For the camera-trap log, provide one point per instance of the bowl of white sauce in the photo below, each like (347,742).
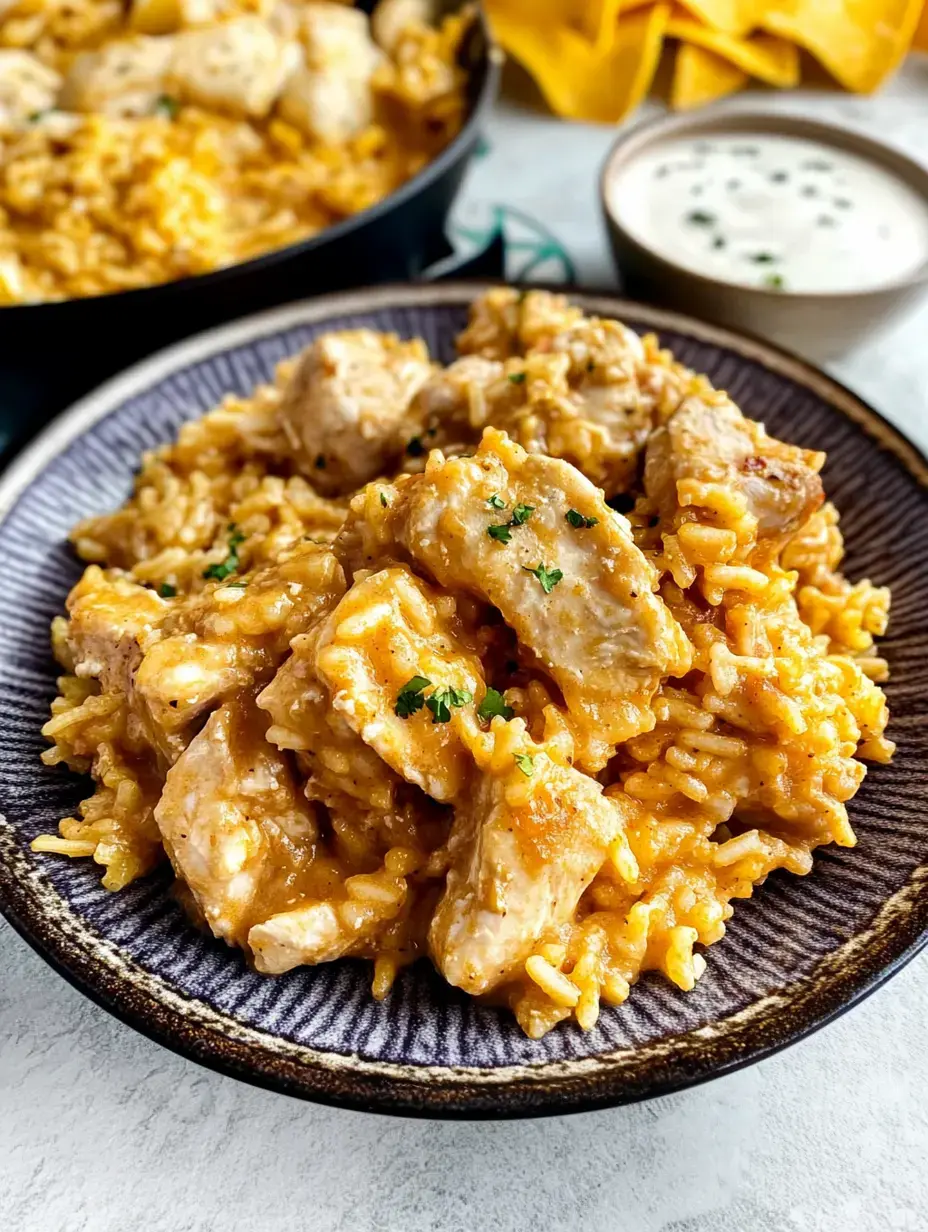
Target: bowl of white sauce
(797,230)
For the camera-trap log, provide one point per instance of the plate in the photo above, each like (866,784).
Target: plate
(797,954)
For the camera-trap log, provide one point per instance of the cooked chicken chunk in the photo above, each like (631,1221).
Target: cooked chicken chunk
(240,67)
(338,36)
(27,88)
(577,593)
(524,847)
(391,17)
(345,403)
(233,823)
(230,637)
(709,441)
(451,409)
(112,621)
(340,764)
(328,106)
(389,630)
(121,79)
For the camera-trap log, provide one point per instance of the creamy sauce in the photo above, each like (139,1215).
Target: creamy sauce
(772,211)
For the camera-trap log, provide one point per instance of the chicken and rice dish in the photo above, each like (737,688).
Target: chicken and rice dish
(530,664)
(146,140)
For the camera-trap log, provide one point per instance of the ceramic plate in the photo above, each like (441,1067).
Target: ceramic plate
(798,953)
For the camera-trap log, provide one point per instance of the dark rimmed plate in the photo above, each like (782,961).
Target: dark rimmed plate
(797,954)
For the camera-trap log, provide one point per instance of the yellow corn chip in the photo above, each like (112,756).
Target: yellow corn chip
(729,16)
(859,42)
(921,32)
(764,56)
(577,80)
(700,77)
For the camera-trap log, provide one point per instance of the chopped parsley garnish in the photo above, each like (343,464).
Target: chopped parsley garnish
(415,448)
(700,218)
(842,203)
(166,106)
(548,578)
(410,699)
(578,521)
(762,258)
(442,700)
(774,282)
(35,116)
(167,591)
(809,190)
(521,514)
(496,501)
(591,365)
(320,461)
(517,378)
(779,177)
(745,151)
(501,533)
(221,571)
(825,220)
(525,763)
(719,241)
(383,499)
(494,704)
(236,585)
(816,164)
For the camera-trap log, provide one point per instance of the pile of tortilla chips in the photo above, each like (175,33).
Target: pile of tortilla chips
(596,59)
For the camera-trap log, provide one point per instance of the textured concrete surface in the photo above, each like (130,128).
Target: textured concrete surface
(103,1131)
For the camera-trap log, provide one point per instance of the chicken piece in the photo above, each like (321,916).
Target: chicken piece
(326,105)
(451,409)
(235,827)
(240,67)
(27,88)
(112,621)
(336,36)
(165,16)
(345,403)
(709,441)
(391,17)
(229,638)
(526,843)
(121,79)
(340,765)
(389,629)
(577,593)
(321,931)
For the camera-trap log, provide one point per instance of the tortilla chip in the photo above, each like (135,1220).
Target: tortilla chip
(729,16)
(700,77)
(860,42)
(764,56)
(577,80)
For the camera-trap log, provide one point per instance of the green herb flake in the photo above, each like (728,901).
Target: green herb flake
(700,218)
(442,700)
(774,282)
(494,704)
(501,533)
(167,591)
(166,106)
(719,242)
(415,448)
(521,514)
(762,258)
(236,585)
(548,578)
(525,763)
(383,499)
(219,573)
(410,699)
(496,501)
(578,521)
(517,378)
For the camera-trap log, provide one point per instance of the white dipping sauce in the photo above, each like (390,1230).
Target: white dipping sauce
(772,211)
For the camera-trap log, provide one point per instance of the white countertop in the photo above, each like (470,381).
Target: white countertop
(103,1131)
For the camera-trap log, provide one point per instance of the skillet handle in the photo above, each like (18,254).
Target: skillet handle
(488,262)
